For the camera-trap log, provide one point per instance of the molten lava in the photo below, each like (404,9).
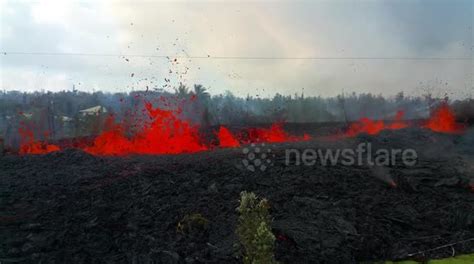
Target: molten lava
(274,134)
(373,127)
(398,122)
(442,120)
(163,133)
(28,144)
(365,125)
(227,139)
(160,132)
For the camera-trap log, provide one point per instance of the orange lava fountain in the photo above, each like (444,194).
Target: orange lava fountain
(443,120)
(164,133)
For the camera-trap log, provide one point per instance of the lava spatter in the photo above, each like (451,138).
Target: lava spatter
(163,133)
(443,120)
(226,138)
(374,127)
(29,145)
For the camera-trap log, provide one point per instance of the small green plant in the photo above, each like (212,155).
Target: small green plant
(254,232)
(191,223)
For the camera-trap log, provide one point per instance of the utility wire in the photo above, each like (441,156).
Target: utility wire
(231,57)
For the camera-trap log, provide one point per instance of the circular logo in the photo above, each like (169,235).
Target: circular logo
(257,157)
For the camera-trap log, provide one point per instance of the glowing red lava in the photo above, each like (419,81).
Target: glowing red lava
(443,120)
(274,134)
(398,122)
(164,133)
(373,127)
(365,125)
(227,139)
(28,144)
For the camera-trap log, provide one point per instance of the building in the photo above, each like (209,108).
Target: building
(93,111)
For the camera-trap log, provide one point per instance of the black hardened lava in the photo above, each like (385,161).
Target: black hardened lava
(71,207)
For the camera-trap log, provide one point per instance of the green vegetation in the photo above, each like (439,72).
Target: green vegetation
(254,231)
(463,259)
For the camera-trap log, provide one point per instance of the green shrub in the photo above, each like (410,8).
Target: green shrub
(254,232)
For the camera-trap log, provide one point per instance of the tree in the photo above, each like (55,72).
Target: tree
(202,105)
(182,91)
(200,91)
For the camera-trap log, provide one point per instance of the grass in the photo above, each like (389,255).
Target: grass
(462,259)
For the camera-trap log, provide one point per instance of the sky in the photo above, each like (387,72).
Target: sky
(258,48)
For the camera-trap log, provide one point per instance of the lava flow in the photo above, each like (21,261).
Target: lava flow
(373,127)
(227,139)
(443,120)
(29,145)
(164,133)
(274,134)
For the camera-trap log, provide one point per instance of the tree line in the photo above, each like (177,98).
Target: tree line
(59,112)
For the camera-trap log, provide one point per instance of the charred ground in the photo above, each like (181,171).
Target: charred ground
(72,207)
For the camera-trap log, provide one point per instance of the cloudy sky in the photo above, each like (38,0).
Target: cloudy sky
(247,47)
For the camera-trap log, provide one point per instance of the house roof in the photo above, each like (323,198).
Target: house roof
(66,118)
(94,110)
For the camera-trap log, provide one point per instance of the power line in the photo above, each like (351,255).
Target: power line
(230,57)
